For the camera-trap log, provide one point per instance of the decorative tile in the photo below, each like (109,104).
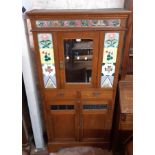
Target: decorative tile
(111,40)
(49,76)
(45,40)
(47,56)
(48,69)
(108,69)
(50,83)
(107,81)
(79,23)
(109,55)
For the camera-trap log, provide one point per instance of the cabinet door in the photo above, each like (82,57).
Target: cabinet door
(78,55)
(62,120)
(95,120)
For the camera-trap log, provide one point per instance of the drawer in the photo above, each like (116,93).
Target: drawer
(99,94)
(60,94)
(126,122)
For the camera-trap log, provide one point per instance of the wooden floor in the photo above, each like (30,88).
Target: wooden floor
(72,151)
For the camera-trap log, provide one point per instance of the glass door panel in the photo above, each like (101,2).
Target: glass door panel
(78,55)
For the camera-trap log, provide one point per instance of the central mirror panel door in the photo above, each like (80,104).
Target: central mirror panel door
(78,52)
(78,60)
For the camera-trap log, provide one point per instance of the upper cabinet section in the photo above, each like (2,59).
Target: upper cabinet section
(78,19)
(78,48)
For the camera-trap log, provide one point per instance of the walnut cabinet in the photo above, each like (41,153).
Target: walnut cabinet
(78,55)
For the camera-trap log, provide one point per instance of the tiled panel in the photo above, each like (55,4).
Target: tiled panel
(79,23)
(110,55)
(62,107)
(111,42)
(47,59)
(94,106)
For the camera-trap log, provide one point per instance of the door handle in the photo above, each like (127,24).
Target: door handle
(61,94)
(61,64)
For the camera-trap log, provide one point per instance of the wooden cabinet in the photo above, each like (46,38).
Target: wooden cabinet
(78,56)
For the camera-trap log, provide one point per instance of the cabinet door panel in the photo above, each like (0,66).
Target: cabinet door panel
(94,119)
(63,126)
(63,120)
(78,53)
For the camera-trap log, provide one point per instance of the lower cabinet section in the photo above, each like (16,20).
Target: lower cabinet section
(79,122)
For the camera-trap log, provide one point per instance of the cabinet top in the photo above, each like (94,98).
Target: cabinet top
(72,12)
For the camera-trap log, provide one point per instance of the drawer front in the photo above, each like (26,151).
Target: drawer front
(126,122)
(96,94)
(60,95)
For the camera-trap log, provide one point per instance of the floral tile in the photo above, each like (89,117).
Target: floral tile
(45,40)
(47,56)
(111,40)
(108,69)
(48,69)
(79,23)
(49,75)
(109,55)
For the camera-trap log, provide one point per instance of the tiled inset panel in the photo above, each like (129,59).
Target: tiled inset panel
(110,55)
(79,23)
(111,42)
(94,106)
(47,59)
(108,69)
(62,107)
(107,81)
(45,40)
(47,56)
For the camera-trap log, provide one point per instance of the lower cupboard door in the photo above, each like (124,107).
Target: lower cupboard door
(95,120)
(63,122)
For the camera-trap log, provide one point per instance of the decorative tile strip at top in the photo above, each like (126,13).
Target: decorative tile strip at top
(79,23)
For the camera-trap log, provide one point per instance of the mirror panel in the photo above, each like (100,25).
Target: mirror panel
(78,55)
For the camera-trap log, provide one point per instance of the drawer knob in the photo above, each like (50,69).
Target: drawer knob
(96,94)
(60,94)
(123,117)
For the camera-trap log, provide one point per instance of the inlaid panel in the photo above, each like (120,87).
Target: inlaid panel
(45,43)
(111,42)
(79,23)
